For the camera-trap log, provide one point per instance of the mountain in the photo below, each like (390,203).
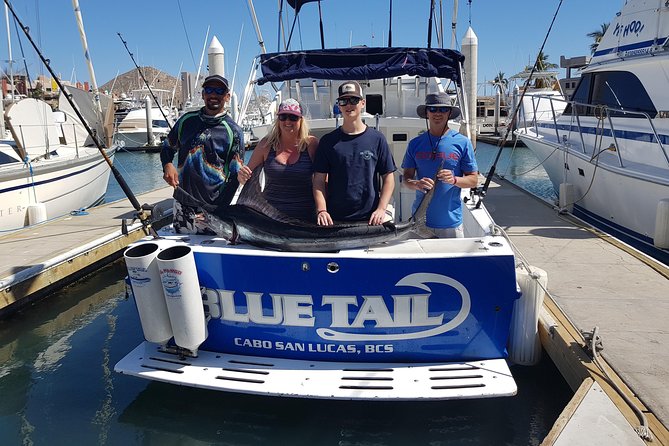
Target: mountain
(131,80)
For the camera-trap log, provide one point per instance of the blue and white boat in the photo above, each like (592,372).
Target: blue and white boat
(607,154)
(407,319)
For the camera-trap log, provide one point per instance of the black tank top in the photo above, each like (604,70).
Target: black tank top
(288,187)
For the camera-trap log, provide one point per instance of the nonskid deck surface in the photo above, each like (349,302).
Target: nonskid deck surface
(312,379)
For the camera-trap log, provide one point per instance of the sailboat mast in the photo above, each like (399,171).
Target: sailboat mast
(9,48)
(87,55)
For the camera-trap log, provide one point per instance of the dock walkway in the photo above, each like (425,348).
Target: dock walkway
(595,283)
(38,259)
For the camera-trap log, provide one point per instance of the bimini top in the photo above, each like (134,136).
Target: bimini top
(361,63)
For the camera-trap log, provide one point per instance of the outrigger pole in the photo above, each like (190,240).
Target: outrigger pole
(141,213)
(139,70)
(390,25)
(429,25)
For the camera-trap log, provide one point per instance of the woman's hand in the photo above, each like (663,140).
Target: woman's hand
(244,175)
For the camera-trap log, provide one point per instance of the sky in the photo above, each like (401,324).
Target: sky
(169,34)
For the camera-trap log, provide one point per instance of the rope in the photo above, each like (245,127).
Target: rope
(595,342)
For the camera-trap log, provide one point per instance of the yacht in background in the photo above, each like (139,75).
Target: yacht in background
(133,131)
(607,154)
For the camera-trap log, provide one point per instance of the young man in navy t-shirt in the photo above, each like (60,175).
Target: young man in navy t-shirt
(348,161)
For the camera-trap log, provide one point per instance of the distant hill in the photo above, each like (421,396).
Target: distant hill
(131,80)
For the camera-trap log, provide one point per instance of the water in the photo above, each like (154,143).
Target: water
(58,387)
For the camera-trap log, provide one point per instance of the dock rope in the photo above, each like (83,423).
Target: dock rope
(594,342)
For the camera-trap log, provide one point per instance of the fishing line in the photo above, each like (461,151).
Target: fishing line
(512,124)
(139,70)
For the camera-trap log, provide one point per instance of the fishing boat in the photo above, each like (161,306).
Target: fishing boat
(405,318)
(50,167)
(606,154)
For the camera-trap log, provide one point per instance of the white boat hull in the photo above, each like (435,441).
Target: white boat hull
(63,184)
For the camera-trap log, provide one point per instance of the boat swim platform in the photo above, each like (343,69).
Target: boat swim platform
(594,280)
(40,259)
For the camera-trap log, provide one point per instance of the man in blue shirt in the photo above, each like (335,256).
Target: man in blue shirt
(210,147)
(348,162)
(449,156)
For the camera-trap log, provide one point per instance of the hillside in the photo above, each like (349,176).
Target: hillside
(131,80)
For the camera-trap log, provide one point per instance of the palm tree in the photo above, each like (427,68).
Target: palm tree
(501,83)
(597,36)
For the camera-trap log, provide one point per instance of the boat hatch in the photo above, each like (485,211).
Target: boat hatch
(311,379)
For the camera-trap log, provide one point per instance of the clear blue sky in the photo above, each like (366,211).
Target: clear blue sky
(510,32)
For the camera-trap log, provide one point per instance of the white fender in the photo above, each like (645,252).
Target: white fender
(140,260)
(661,236)
(182,294)
(524,342)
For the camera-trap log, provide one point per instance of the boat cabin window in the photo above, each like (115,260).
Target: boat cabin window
(400,137)
(159,123)
(619,90)
(374,104)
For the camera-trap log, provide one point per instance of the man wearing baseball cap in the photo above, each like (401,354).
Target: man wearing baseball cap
(210,147)
(350,159)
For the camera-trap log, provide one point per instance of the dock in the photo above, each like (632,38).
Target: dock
(42,258)
(594,280)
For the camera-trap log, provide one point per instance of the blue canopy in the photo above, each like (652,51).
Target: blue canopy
(360,64)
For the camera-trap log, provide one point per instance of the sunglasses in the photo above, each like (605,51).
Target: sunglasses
(346,101)
(434,109)
(292,118)
(217,90)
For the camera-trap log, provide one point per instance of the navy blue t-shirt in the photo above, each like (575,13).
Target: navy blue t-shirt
(354,164)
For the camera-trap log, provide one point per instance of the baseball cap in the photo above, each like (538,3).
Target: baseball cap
(350,88)
(216,78)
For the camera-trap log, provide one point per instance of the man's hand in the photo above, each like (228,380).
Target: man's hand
(170,175)
(377,217)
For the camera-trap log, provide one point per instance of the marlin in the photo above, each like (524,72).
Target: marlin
(254,221)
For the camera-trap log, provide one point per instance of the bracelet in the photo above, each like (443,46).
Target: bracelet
(455,180)
(321,211)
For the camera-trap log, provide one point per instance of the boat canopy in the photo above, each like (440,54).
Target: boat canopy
(361,63)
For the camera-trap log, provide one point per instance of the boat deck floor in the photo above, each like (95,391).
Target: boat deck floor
(595,283)
(37,259)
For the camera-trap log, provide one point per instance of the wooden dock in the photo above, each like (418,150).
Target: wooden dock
(45,257)
(595,281)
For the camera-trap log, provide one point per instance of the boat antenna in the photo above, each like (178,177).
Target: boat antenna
(512,124)
(390,24)
(139,70)
(429,25)
(141,213)
(454,22)
(191,93)
(280,27)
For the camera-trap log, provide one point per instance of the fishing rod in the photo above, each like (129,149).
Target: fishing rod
(139,70)
(141,213)
(512,124)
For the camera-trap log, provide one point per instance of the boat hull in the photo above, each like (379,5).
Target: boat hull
(63,184)
(622,201)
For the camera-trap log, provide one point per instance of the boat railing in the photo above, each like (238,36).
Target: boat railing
(604,114)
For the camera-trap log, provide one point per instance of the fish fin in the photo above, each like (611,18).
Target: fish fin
(252,197)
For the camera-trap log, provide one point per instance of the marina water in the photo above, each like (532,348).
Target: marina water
(58,386)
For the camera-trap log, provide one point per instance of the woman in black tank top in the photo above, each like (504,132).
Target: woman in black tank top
(286,155)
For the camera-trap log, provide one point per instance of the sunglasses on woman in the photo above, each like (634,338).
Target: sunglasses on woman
(434,109)
(293,118)
(217,90)
(346,101)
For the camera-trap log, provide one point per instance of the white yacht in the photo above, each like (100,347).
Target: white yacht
(133,131)
(607,154)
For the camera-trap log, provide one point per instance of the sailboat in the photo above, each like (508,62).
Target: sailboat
(51,167)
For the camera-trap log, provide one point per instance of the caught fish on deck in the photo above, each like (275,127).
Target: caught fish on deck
(254,221)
